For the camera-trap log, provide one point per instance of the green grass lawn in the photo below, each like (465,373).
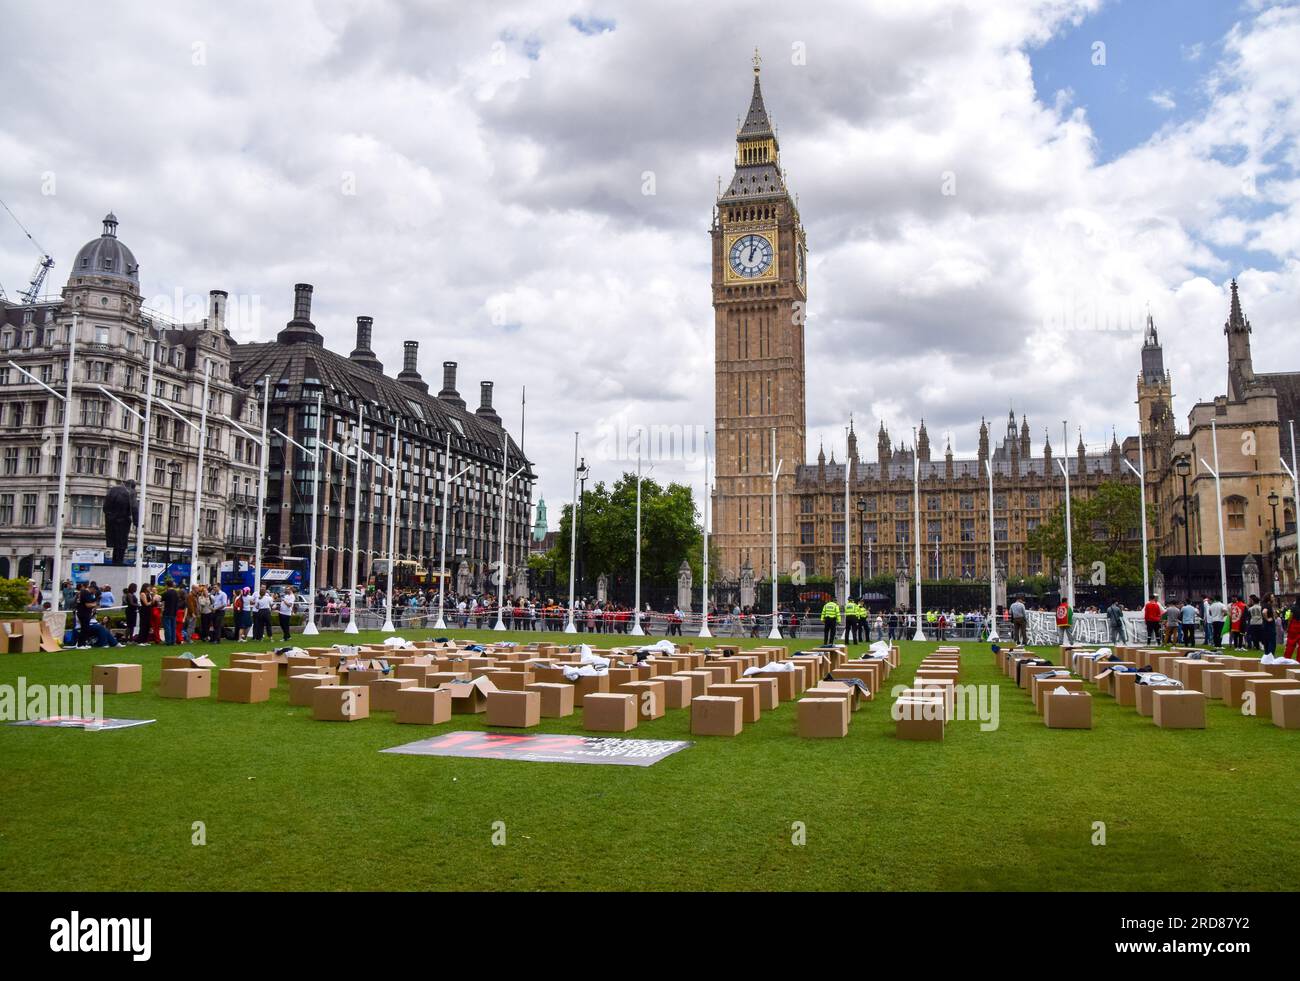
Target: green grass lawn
(289,803)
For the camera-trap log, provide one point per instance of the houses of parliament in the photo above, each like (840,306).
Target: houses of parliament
(759,283)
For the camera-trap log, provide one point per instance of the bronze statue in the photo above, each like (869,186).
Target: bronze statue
(119,518)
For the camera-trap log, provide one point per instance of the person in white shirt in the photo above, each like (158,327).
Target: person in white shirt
(286,610)
(262,615)
(1216,617)
(217,616)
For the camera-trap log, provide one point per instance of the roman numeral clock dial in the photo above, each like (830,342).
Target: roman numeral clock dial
(751,256)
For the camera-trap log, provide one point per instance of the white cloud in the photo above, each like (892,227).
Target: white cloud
(1163,100)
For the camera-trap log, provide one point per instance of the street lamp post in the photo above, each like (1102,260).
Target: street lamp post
(1183,467)
(173,471)
(584,472)
(1273,501)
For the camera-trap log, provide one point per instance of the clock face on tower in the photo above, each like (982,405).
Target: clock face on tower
(751,255)
(798,254)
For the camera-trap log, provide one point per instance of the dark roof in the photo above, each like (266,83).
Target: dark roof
(294,364)
(756,126)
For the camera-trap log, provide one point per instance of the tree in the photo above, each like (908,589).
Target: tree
(670,532)
(1105,528)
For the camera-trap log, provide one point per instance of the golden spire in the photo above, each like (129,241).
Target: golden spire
(758,61)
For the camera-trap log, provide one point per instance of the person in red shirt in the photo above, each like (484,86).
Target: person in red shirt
(1151,614)
(1237,616)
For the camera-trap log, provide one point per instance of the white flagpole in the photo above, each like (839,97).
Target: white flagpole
(569,627)
(1069,530)
(195,565)
(993,572)
(501,560)
(1142,485)
(848,548)
(309,628)
(57,583)
(916,522)
(442,551)
(388,627)
(351,628)
(636,630)
(261,490)
(144,472)
(775,632)
(704,596)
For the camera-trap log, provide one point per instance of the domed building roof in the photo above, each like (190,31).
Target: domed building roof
(107,256)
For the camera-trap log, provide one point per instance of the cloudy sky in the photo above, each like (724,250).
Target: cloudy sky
(475,176)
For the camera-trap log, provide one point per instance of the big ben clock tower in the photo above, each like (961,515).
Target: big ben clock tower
(759,297)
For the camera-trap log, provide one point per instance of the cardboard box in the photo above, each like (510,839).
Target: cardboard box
(1277,669)
(717,715)
(469,697)
(1234,686)
(1072,711)
(621,676)
(295,670)
(1044,685)
(1284,708)
(423,706)
(1143,701)
(1178,709)
(836,689)
(437,679)
(769,695)
(383,693)
(700,681)
(823,718)
(649,695)
(419,673)
(608,712)
(869,673)
(751,709)
(340,703)
(1261,689)
(930,696)
(270,670)
(941,686)
(731,665)
(678,691)
(589,684)
(1029,670)
(301,686)
(17,638)
(242,685)
(185,683)
(1123,687)
(514,709)
(556,700)
(918,718)
(117,679)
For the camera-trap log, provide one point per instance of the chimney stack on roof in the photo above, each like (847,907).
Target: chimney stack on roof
(485,410)
(300,328)
(410,374)
(449,393)
(217,309)
(364,355)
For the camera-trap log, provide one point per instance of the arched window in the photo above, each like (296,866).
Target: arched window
(1236,511)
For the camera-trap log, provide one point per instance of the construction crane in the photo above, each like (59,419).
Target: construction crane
(43,265)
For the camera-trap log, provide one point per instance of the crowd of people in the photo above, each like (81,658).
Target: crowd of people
(169,613)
